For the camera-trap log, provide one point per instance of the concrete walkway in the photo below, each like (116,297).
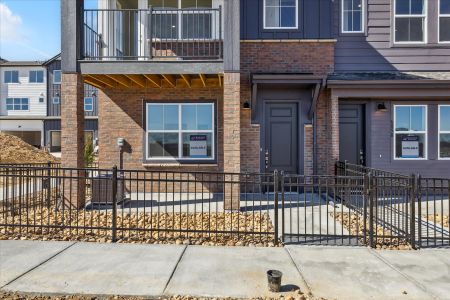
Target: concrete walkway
(155,270)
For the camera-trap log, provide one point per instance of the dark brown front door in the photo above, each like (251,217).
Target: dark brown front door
(281,137)
(351,133)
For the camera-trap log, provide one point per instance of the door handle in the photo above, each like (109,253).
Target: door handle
(266,159)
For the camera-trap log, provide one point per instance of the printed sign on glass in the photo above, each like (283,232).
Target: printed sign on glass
(410,147)
(198,146)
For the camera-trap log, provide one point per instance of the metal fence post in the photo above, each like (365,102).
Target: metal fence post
(412,211)
(372,196)
(48,187)
(114,212)
(419,210)
(345,167)
(365,200)
(275,191)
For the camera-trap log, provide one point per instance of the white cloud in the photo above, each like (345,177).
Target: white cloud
(10,25)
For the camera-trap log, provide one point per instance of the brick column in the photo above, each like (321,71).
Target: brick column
(333,131)
(231,138)
(72,138)
(308,156)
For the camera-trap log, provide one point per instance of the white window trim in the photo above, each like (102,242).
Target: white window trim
(439,22)
(424,16)
(411,132)
(4,77)
(56,82)
(441,131)
(53,100)
(363,18)
(180,132)
(29,77)
(92,104)
(17,110)
(282,28)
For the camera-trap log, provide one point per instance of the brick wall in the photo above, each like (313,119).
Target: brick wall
(283,57)
(308,159)
(121,114)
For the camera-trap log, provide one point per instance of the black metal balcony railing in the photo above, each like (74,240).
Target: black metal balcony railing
(145,34)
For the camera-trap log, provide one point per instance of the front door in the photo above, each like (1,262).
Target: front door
(281,137)
(352,133)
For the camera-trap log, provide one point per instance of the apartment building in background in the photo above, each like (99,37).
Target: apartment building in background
(260,85)
(31,103)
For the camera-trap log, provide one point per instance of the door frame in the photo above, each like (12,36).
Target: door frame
(300,134)
(368,106)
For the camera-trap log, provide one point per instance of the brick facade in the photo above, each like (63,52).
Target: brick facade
(310,57)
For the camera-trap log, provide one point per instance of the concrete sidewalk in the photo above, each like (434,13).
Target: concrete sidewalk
(239,272)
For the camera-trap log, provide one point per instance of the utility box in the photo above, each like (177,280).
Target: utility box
(102,189)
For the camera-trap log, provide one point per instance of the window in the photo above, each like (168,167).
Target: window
(180,131)
(41,99)
(17,104)
(11,77)
(352,16)
(55,100)
(88,104)
(444,131)
(57,77)
(36,76)
(444,21)
(410,132)
(55,141)
(188,24)
(280,14)
(410,21)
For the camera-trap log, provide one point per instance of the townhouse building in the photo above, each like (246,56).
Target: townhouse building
(30,94)
(260,85)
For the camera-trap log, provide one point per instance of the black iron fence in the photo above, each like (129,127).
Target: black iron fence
(382,211)
(144,34)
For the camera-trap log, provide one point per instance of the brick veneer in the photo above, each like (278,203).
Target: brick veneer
(308,156)
(311,57)
(72,136)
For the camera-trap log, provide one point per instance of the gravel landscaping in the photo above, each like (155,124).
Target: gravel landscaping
(442,220)
(141,227)
(354,223)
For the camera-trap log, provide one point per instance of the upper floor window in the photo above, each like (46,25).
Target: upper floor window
(36,76)
(444,21)
(352,16)
(56,100)
(410,131)
(11,77)
(167,23)
(57,76)
(17,104)
(444,131)
(88,104)
(280,14)
(410,21)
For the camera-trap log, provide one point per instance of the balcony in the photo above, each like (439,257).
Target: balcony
(175,35)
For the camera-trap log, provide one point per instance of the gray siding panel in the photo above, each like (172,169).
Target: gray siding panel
(374,51)
(315,21)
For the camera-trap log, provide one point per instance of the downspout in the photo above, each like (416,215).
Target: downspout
(314,144)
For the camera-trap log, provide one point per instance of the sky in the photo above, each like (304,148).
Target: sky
(30,29)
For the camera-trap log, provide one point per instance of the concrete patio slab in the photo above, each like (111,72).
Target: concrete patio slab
(351,273)
(104,269)
(18,257)
(429,268)
(231,272)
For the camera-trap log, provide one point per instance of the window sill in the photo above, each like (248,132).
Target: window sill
(196,165)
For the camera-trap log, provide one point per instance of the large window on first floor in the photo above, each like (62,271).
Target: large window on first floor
(410,19)
(180,131)
(444,21)
(444,131)
(410,131)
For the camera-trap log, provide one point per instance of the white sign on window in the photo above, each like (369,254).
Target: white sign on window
(410,147)
(198,146)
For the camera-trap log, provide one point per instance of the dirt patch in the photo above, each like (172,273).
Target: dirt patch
(164,228)
(16,151)
(297,295)
(438,219)
(354,223)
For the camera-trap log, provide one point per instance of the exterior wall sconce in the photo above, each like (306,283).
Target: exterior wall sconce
(246,105)
(381,107)
(93,94)
(57,95)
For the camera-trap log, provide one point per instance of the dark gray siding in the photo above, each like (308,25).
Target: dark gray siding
(380,141)
(374,50)
(315,21)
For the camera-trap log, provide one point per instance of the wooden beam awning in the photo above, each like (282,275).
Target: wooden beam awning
(157,81)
